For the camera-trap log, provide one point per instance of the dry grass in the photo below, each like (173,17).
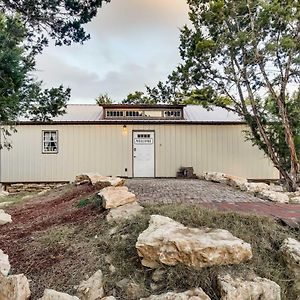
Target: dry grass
(81,250)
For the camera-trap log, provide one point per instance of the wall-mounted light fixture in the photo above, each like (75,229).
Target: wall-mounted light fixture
(125,129)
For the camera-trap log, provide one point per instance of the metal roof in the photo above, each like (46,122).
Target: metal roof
(93,113)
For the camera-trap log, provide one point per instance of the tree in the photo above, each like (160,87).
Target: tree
(247,53)
(103,99)
(61,20)
(138,98)
(20,94)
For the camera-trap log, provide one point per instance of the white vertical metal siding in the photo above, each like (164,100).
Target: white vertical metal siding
(107,149)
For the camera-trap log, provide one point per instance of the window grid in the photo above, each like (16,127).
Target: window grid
(173,113)
(50,141)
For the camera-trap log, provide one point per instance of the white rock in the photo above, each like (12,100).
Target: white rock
(54,295)
(276,188)
(256,187)
(254,289)
(274,196)
(91,289)
(290,250)
(4,217)
(235,181)
(169,242)
(126,211)
(109,298)
(14,287)
(216,177)
(295,199)
(195,294)
(4,263)
(95,178)
(116,196)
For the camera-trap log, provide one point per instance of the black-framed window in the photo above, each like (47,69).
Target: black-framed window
(50,141)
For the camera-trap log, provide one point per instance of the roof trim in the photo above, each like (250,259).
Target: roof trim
(132,122)
(148,106)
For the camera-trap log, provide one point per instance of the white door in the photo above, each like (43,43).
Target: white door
(143,153)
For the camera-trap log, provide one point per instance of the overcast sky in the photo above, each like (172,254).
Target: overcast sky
(133,43)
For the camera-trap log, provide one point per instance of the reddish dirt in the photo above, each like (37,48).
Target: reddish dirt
(39,214)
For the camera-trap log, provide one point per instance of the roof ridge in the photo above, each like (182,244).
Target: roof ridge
(83,104)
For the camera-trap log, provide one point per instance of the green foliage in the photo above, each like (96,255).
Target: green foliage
(245,56)
(20,94)
(138,98)
(275,130)
(103,99)
(61,20)
(94,201)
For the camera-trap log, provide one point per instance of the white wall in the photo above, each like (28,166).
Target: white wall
(107,149)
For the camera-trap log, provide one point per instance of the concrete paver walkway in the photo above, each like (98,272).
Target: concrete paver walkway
(211,195)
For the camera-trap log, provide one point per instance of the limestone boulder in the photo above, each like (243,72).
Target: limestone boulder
(188,295)
(126,211)
(109,298)
(15,287)
(255,289)
(236,182)
(4,263)
(4,217)
(116,196)
(97,179)
(54,295)
(274,196)
(256,187)
(276,188)
(169,242)
(295,200)
(91,289)
(290,250)
(215,177)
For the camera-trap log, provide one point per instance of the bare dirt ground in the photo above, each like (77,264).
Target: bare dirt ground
(31,254)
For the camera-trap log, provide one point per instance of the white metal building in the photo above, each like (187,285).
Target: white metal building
(132,141)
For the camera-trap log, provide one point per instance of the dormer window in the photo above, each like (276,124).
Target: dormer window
(153,112)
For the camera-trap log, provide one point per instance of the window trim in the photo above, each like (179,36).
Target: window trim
(57,141)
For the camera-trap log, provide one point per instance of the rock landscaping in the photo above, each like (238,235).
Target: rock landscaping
(14,287)
(91,289)
(290,250)
(126,211)
(4,263)
(169,242)
(255,289)
(274,193)
(150,255)
(97,179)
(4,217)
(188,295)
(30,187)
(116,196)
(122,203)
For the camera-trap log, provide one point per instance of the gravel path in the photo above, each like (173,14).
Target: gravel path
(186,191)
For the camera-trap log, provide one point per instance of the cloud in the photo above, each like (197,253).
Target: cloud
(133,43)
(86,86)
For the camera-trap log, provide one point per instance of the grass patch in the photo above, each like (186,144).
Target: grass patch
(264,234)
(15,198)
(95,201)
(56,235)
(87,246)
